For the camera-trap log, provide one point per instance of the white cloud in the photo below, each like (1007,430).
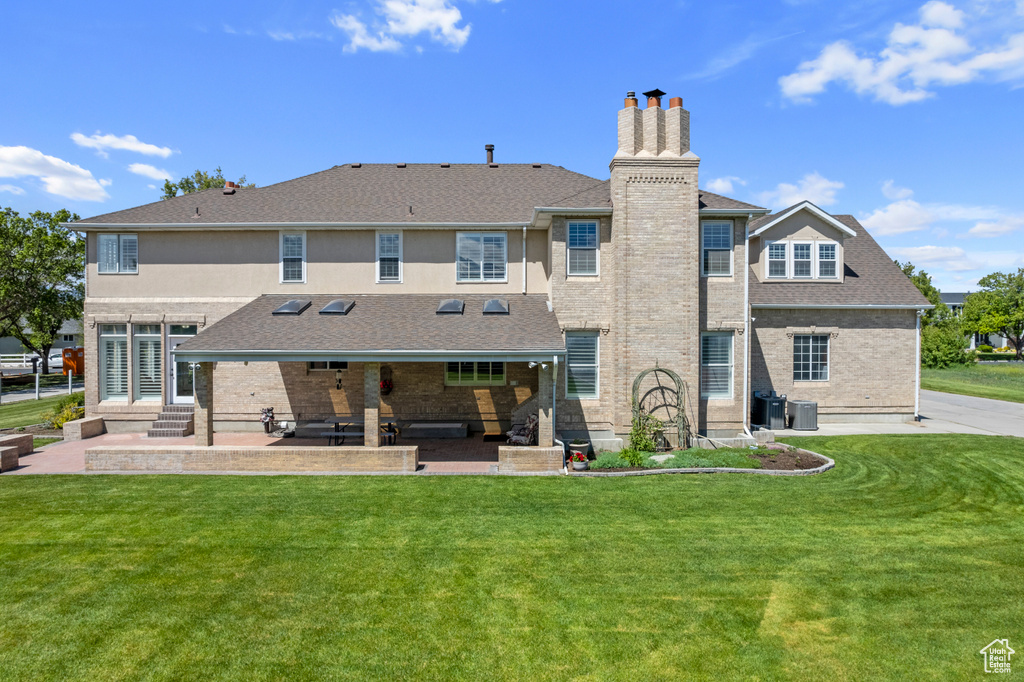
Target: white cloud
(905,215)
(13,189)
(724,185)
(949,258)
(101,143)
(916,58)
(437,19)
(997,228)
(812,187)
(145,170)
(281,35)
(58,176)
(894,193)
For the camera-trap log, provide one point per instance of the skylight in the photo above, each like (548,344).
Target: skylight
(496,306)
(293,307)
(338,306)
(451,306)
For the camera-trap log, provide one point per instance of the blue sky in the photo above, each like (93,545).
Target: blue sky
(907,115)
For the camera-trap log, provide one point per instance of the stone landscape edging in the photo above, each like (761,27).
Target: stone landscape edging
(829,464)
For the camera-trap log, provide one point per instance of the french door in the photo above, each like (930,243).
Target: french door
(181,374)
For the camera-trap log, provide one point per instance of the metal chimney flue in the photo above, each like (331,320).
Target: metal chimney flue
(490,153)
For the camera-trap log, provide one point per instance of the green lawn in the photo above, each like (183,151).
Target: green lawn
(1001,382)
(901,563)
(25,412)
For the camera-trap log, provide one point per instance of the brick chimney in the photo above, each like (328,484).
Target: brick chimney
(653,132)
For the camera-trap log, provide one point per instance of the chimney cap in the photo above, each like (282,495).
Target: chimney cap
(630,94)
(489,147)
(655,93)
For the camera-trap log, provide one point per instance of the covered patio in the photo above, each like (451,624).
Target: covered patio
(485,338)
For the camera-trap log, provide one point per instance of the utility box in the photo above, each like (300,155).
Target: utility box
(769,410)
(74,361)
(803,415)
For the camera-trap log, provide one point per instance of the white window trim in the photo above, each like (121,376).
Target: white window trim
(280,256)
(732,245)
(792,259)
(104,396)
(119,237)
(137,337)
(597,249)
(732,365)
(597,368)
(768,261)
(310,368)
(401,257)
(817,258)
(828,360)
(482,280)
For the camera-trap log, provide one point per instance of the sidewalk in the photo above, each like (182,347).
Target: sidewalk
(29,393)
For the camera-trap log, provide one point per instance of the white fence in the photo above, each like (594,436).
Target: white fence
(16,360)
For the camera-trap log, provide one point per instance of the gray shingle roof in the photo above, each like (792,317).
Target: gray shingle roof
(871,278)
(384,322)
(383,193)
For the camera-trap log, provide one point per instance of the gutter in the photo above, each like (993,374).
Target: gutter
(746,325)
(749,212)
(82,226)
(917,374)
(363,356)
(852,306)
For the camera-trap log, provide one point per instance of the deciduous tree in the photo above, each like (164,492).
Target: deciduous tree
(197,182)
(998,308)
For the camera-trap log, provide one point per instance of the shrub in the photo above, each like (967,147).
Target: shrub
(642,435)
(633,458)
(984,348)
(68,408)
(945,345)
(608,460)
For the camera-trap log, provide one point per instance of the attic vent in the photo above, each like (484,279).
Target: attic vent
(536,165)
(338,306)
(446,165)
(496,306)
(400,165)
(293,307)
(357,165)
(451,306)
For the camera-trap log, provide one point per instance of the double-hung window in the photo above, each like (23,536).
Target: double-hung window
(146,338)
(389,256)
(810,357)
(293,257)
(717,249)
(118,254)
(582,361)
(470,373)
(716,365)
(802,260)
(581,245)
(113,362)
(777,259)
(826,260)
(481,256)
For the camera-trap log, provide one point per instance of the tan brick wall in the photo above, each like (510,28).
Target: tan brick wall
(872,361)
(395,459)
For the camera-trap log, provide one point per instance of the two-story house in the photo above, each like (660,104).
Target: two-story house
(468,292)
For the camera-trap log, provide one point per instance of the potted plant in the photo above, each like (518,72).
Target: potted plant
(579,445)
(579,460)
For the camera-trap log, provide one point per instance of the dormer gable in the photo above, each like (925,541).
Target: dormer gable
(799,244)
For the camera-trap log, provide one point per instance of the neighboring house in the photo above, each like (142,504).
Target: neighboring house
(476,291)
(70,336)
(955,302)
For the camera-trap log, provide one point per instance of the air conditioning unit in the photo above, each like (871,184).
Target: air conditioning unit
(804,415)
(769,410)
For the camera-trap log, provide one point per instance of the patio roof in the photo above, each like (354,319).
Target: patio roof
(380,328)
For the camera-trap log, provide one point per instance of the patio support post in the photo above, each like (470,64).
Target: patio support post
(204,404)
(371,404)
(545,429)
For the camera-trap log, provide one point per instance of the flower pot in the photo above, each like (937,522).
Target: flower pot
(581,466)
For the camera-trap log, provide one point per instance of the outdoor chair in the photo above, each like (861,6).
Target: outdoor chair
(525,434)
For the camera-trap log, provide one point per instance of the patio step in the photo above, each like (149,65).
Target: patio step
(175,421)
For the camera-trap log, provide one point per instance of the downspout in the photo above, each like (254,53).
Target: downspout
(524,260)
(554,416)
(917,374)
(746,325)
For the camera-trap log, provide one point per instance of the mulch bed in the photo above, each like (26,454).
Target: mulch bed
(41,430)
(788,460)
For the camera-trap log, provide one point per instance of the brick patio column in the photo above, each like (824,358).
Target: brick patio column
(545,429)
(204,403)
(371,404)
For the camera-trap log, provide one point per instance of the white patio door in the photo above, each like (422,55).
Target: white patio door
(181,374)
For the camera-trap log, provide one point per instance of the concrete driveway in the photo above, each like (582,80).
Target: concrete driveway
(940,413)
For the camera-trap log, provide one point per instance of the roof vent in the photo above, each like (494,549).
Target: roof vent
(357,165)
(229,187)
(446,165)
(338,306)
(536,165)
(400,165)
(490,153)
(293,307)
(496,306)
(451,306)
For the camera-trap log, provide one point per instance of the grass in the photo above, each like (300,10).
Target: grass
(25,412)
(901,563)
(13,384)
(1001,382)
(39,442)
(738,458)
